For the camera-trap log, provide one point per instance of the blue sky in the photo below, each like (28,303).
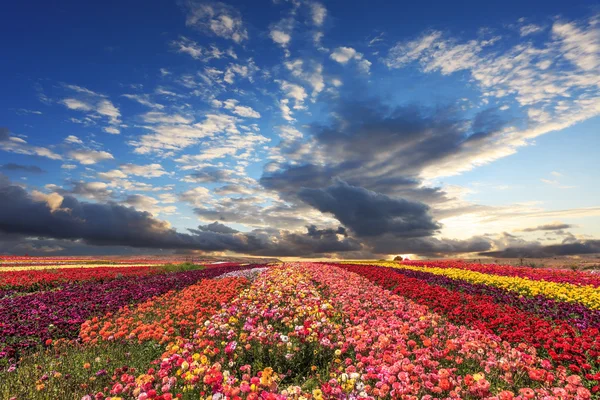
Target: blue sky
(461,129)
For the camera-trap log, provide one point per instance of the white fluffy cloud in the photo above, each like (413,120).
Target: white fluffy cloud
(172,136)
(242,111)
(18,145)
(556,84)
(217,18)
(95,106)
(88,157)
(281,33)
(312,75)
(343,55)
(318,13)
(294,92)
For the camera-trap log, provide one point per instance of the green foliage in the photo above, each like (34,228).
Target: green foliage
(186,266)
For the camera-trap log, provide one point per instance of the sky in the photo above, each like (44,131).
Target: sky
(300,128)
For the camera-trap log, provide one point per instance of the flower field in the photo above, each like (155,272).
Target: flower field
(361,330)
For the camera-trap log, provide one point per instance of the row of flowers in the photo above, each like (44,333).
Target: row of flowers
(45,279)
(278,331)
(38,318)
(545,274)
(589,296)
(574,313)
(578,350)
(47,267)
(319,331)
(166,317)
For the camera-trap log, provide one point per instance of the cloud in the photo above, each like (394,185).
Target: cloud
(371,214)
(548,227)
(148,204)
(155,117)
(18,145)
(72,139)
(88,157)
(194,50)
(24,111)
(147,171)
(75,104)
(208,175)
(381,148)
(280,37)
(343,55)
(217,227)
(217,18)
(553,82)
(238,70)
(312,75)
(91,190)
(580,43)
(281,33)
(23,168)
(188,46)
(242,111)
(144,100)
(556,182)
(427,246)
(294,92)
(112,175)
(530,29)
(95,106)
(579,247)
(318,13)
(98,224)
(289,133)
(230,189)
(169,136)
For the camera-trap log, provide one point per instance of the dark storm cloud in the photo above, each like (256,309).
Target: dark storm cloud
(217,227)
(98,224)
(371,145)
(485,124)
(368,213)
(24,168)
(315,243)
(536,250)
(427,246)
(372,134)
(548,227)
(380,152)
(73,225)
(313,231)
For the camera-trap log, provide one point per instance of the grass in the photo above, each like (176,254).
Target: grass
(187,266)
(60,373)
